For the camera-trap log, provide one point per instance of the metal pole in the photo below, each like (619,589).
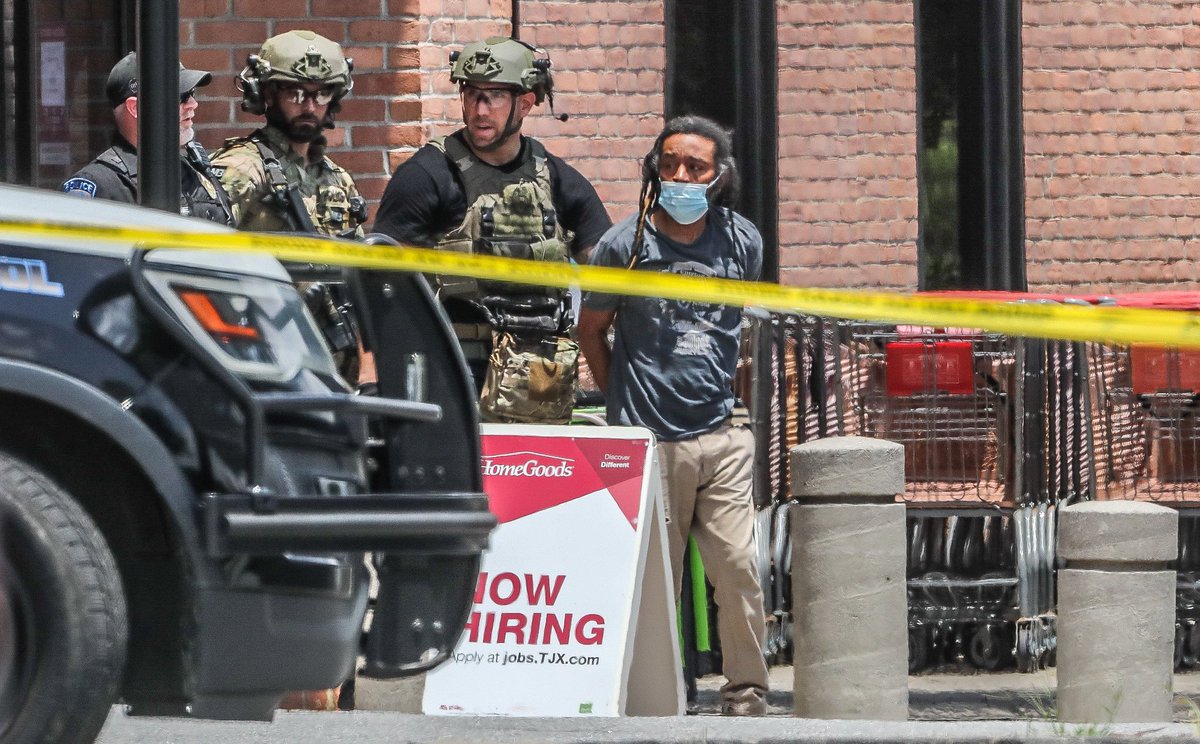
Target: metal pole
(158,104)
(1003,150)
(23,87)
(754,62)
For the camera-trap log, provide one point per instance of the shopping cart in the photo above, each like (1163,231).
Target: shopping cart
(1148,444)
(946,395)
(991,426)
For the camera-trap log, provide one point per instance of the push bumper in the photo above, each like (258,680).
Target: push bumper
(430,523)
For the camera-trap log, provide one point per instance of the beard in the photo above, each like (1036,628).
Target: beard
(303,128)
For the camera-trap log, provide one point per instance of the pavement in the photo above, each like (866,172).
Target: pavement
(944,705)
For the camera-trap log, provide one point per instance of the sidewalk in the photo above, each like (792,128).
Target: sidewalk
(1006,696)
(966,696)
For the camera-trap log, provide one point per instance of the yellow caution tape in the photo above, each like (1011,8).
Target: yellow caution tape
(1119,325)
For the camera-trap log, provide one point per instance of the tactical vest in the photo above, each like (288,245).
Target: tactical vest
(532,363)
(508,214)
(200,193)
(295,200)
(330,211)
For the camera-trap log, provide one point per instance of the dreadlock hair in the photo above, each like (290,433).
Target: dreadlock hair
(728,185)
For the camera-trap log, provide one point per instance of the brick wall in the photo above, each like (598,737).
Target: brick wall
(847,144)
(1112,164)
(608,60)
(607,54)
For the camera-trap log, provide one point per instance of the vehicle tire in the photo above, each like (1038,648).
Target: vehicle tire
(63,623)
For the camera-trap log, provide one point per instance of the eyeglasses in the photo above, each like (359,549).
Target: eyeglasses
(184,96)
(493,97)
(298,95)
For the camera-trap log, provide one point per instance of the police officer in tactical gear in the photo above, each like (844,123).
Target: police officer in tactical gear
(279,177)
(488,189)
(114,175)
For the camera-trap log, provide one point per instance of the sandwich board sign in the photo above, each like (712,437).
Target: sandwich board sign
(573,612)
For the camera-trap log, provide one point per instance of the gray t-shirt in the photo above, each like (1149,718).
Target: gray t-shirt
(673,362)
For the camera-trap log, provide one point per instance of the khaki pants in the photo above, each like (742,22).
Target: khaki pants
(707,487)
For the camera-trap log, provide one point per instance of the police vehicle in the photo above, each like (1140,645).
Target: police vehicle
(192,500)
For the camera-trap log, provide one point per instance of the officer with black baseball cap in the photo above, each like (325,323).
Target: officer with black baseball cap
(113,173)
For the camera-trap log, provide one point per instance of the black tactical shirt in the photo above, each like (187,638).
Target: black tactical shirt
(425,200)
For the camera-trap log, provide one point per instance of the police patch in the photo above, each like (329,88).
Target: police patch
(218,171)
(80,187)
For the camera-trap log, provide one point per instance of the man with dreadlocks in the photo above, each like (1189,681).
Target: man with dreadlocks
(488,189)
(670,370)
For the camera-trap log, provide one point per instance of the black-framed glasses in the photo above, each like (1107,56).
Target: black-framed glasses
(298,95)
(185,95)
(493,97)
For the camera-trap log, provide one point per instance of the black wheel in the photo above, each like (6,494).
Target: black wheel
(1026,660)
(986,647)
(63,625)
(1191,648)
(918,649)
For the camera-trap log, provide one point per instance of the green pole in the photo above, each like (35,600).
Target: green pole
(699,597)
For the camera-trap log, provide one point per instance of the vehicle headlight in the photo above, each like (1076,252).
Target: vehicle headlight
(259,328)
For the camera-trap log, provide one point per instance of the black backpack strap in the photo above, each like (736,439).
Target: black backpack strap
(283,193)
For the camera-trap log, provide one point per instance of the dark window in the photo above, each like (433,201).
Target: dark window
(55,116)
(970,154)
(721,63)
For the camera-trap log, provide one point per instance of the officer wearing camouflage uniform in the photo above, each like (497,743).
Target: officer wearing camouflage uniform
(487,189)
(279,177)
(113,174)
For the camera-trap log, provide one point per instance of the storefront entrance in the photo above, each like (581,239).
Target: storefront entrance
(52,108)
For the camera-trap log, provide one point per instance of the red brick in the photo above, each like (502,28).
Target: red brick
(223,86)
(230,32)
(270,8)
(366,57)
(393,135)
(408,58)
(387,83)
(404,7)
(355,108)
(359,162)
(335,137)
(390,31)
(404,111)
(204,8)
(333,30)
(348,8)
(216,61)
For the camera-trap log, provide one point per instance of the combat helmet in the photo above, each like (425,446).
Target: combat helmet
(500,59)
(295,57)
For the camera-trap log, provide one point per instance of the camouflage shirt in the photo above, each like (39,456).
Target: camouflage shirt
(326,189)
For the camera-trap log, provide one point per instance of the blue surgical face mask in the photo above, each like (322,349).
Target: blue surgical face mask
(685,202)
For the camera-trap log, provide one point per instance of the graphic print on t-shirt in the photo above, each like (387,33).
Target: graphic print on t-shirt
(692,322)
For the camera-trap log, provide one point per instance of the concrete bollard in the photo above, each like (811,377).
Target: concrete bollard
(849,600)
(1116,612)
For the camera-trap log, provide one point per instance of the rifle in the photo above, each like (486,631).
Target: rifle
(333,312)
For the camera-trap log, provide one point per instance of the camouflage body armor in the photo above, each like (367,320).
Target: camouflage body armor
(257,172)
(531,371)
